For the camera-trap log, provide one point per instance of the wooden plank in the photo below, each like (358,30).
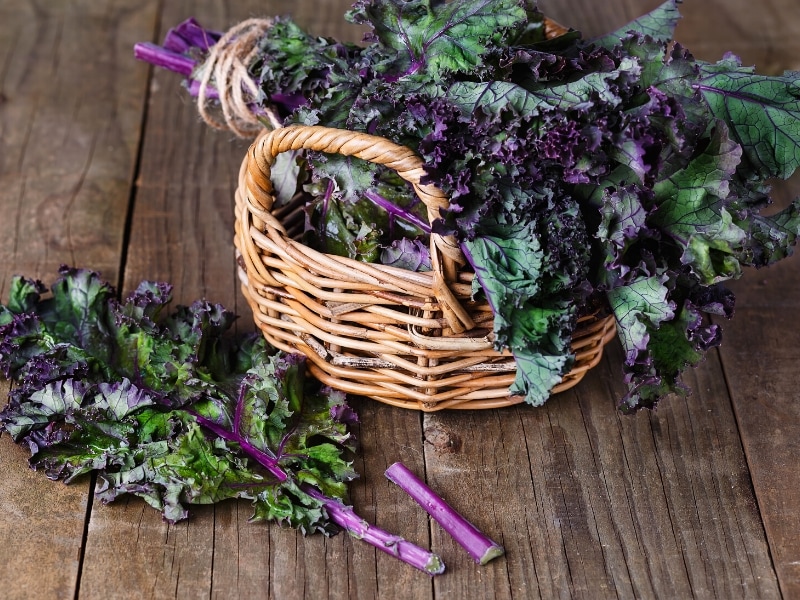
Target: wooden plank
(342,567)
(760,356)
(768,37)
(41,527)
(69,131)
(389,435)
(758,353)
(70,107)
(759,340)
(596,18)
(181,232)
(657,504)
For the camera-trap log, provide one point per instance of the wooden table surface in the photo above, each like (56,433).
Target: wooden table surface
(105,164)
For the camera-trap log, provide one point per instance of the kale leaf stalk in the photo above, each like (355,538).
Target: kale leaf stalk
(396,211)
(291,376)
(344,516)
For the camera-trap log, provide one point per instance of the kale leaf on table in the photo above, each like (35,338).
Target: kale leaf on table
(124,389)
(173,408)
(617,170)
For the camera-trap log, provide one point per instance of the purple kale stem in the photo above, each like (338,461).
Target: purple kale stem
(261,457)
(237,413)
(480,547)
(345,517)
(396,211)
(158,56)
(194,90)
(416,65)
(190,34)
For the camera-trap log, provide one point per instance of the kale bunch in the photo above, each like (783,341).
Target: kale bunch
(616,171)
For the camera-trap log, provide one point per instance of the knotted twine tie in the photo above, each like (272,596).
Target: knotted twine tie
(226,71)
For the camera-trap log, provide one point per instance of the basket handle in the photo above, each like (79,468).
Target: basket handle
(445,253)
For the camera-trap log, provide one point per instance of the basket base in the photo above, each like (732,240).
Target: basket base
(479,382)
(463,399)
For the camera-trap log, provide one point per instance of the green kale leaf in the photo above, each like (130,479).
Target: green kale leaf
(168,407)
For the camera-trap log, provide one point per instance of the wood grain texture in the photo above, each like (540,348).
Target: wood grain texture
(696,499)
(180,232)
(654,505)
(645,506)
(595,18)
(766,34)
(69,131)
(760,357)
(69,134)
(757,355)
(759,350)
(41,527)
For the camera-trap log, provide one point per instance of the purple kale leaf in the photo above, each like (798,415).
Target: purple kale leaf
(433,37)
(407,254)
(762,112)
(692,211)
(662,335)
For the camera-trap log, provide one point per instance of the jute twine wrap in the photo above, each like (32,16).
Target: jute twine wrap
(410,339)
(226,69)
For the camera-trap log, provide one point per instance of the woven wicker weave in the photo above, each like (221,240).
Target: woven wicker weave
(409,339)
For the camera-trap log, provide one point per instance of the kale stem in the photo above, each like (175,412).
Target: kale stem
(344,516)
(160,57)
(190,35)
(239,409)
(326,199)
(193,87)
(261,457)
(480,547)
(347,519)
(396,211)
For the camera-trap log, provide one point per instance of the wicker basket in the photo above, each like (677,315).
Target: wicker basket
(410,339)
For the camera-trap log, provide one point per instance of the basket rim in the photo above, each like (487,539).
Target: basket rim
(258,197)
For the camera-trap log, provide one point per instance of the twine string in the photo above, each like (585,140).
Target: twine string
(226,71)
